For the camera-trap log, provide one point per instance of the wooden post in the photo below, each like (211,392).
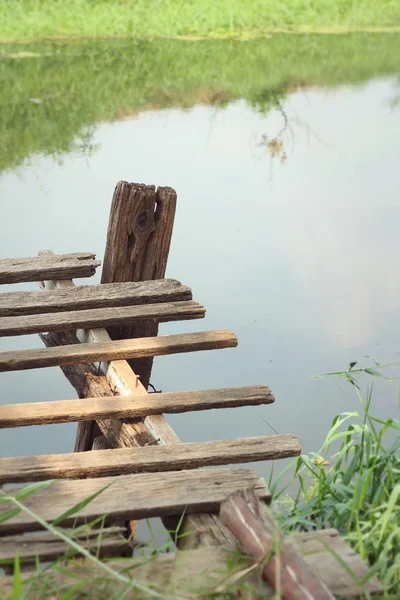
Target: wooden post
(138,241)
(259,537)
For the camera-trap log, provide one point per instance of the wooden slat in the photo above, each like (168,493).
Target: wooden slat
(100,317)
(116,350)
(133,496)
(86,409)
(102,463)
(184,572)
(86,297)
(259,537)
(48,547)
(118,378)
(58,266)
(109,379)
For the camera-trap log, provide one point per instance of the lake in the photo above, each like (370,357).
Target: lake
(285,157)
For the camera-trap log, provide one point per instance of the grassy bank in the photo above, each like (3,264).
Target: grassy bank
(53,94)
(40,19)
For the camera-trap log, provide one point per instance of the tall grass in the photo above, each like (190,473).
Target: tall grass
(354,488)
(148,18)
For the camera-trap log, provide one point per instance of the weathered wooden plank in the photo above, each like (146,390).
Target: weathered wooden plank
(85,409)
(133,496)
(119,378)
(109,379)
(100,317)
(258,536)
(199,572)
(48,547)
(57,266)
(138,241)
(116,350)
(86,297)
(104,463)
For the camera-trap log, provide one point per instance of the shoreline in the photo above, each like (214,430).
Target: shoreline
(231,36)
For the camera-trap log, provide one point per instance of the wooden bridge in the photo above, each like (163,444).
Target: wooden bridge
(104,337)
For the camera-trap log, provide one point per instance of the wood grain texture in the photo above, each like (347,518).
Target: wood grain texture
(85,409)
(138,241)
(115,379)
(197,530)
(259,537)
(87,297)
(116,350)
(104,463)
(100,317)
(49,547)
(118,378)
(170,574)
(107,379)
(57,266)
(133,496)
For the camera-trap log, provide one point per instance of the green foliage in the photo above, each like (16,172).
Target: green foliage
(355,490)
(53,95)
(148,18)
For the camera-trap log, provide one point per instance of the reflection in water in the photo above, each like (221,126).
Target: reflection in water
(298,256)
(52,94)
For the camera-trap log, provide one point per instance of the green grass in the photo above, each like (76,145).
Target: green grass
(53,94)
(356,490)
(147,18)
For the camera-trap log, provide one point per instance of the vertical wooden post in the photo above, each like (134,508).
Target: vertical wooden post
(138,241)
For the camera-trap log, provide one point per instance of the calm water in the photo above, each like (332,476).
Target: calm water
(287,226)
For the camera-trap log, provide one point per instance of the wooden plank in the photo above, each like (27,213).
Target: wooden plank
(104,463)
(100,317)
(258,536)
(118,378)
(138,241)
(49,547)
(174,574)
(86,409)
(57,266)
(107,379)
(85,297)
(116,350)
(133,496)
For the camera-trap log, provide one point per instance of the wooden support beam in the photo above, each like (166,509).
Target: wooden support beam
(117,378)
(259,537)
(108,379)
(57,266)
(132,497)
(47,546)
(197,530)
(129,407)
(85,297)
(104,463)
(100,317)
(138,241)
(116,350)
